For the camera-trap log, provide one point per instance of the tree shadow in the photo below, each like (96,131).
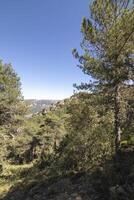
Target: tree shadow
(113,180)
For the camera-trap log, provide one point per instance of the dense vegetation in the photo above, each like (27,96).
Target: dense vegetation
(83,147)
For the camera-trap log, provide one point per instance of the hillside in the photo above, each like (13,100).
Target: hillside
(80,147)
(36,106)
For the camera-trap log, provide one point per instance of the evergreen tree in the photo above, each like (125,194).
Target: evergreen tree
(108,45)
(12,106)
(11,101)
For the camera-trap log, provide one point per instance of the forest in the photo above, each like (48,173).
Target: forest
(80,148)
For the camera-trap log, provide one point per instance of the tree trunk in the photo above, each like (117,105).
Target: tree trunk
(117,117)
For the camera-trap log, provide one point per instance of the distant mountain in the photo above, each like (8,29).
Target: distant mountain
(36,106)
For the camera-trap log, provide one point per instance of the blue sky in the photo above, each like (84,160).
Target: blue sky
(37,37)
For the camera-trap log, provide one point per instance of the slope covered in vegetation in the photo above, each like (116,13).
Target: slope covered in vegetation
(35,106)
(83,147)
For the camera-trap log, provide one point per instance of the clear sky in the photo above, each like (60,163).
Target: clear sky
(37,37)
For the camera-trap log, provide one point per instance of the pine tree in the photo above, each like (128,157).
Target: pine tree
(12,106)
(108,46)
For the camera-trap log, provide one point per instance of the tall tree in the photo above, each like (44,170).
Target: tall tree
(11,101)
(108,51)
(12,107)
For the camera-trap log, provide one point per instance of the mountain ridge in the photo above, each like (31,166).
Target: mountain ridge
(37,105)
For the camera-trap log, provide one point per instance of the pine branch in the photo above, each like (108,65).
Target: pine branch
(125,43)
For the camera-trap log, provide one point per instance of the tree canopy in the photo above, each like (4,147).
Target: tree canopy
(108,51)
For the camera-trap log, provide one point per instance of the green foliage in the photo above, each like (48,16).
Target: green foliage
(12,107)
(11,102)
(108,45)
(77,134)
(89,139)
